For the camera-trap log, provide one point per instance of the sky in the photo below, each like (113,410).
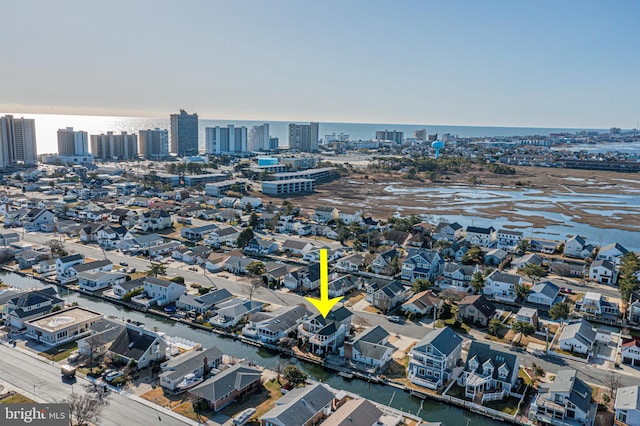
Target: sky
(494,63)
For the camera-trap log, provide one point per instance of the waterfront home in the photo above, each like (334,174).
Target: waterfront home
(270,327)
(203,302)
(91,281)
(370,351)
(501,286)
(65,262)
(448,231)
(528,315)
(596,304)
(564,401)
(305,406)
(28,258)
(349,216)
(508,239)
(227,386)
(314,254)
(159,291)
(476,310)
(231,312)
(45,267)
(604,272)
(544,293)
(627,406)
(198,362)
(344,284)
(456,276)
(136,343)
(577,247)
(577,337)
(102,333)
(223,236)
(484,237)
(386,295)
(122,289)
(66,325)
(261,247)
(386,263)
(325,335)
(154,220)
(424,264)
(422,303)
(544,246)
(612,252)
(527,259)
(495,257)
(395,238)
(355,412)
(432,359)
(351,263)
(630,351)
(567,269)
(489,374)
(71,273)
(30,305)
(197,233)
(325,214)
(36,218)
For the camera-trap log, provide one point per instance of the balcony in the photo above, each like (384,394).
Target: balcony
(425,382)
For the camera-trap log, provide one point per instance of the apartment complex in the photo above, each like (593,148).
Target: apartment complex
(72,142)
(258,139)
(223,140)
(107,146)
(17,141)
(303,137)
(154,143)
(184,134)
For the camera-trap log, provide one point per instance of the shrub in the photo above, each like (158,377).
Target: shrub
(179,280)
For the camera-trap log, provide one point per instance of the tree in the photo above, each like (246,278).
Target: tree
(56,308)
(477,282)
(524,327)
(251,287)
(533,272)
(560,310)
(452,295)
(523,246)
(446,312)
(244,238)
(179,280)
(253,220)
(57,248)
(256,268)
(294,375)
(473,255)
(157,269)
(613,382)
(84,408)
(278,368)
(494,326)
(421,285)
(628,282)
(521,290)
(95,343)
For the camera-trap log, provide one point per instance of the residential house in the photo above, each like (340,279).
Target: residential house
(261,247)
(163,249)
(8,238)
(476,310)
(432,359)
(275,272)
(56,328)
(544,246)
(351,263)
(102,334)
(136,343)
(627,406)
(28,258)
(634,308)
(65,262)
(196,255)
(321,335)
(604,272)
(577,247)
(36,218)
(344,284)
(495,257)
(159,291)
(456,276)
(396,238)
(197,233)
(270,327)
(223,236)
(612,252)
(527,259)
(92,281)
(154,220)
(89,232)
(565,401)
(203,302)
(422,264)
(355,412)
(578,337)
(236,262)
(544,293)
(71,273)
(484,237)
(122,289)
(508,239)
(385,295)
(630,351)
(422,304)
(325,214)
(528,315)
(31,305)
(297,247)
(141,242)
(112,236)
(448,231)
(199,363)
(314,254)
(370,351)
(228,314)
(489,374)
(596,304)
(45,267)
(305,406)
(501,286)
(567,269)
(305,279)
(386,263)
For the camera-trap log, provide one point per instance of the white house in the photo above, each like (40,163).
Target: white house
(230,313)
(65,262)
(36,218)
(448,231)
(432,359)
(508,239)
(630,351)
(159,291)
(563,402)
(322,335)
(612,252)
(501,285)
(71,273)
(596,304)
(543,293)
(270,327)
(604,272)
(370,351)
(578,337)
(222,236)
(154,220)
(198,363)
(351,263)
(140,345)
(92,281)
(480,236)
(576,246)
(456,276)
(627,406)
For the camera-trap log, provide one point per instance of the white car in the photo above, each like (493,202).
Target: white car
(112,376)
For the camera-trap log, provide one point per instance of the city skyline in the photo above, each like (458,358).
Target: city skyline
(493,63)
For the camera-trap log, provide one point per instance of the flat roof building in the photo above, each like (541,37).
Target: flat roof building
(290,186)
(62,326)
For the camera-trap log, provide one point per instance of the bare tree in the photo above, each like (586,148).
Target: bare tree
(95,343)
(251,287)
(84,408)
(278,368)
(613,382)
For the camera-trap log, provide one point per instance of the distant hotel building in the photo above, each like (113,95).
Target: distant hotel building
(290,186)
(154,143)
(184,134)
(390,135)
(259,139)
(17,141)
(303,137)
(225,140)
(123,146)
(71,142)
(420,135)
(333,138)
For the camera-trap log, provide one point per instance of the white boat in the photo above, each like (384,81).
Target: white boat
(189,381)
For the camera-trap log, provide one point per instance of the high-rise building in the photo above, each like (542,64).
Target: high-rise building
(420,134)
(303,137)
(273,143)
(184,134)
(258,139)
(109,146)
(71,142)
(390,135)
(154,143)
(224,140)
(17,141)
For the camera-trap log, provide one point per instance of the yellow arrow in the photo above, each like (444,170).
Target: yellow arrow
(324,304)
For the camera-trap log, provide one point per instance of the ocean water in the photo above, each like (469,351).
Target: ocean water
(48,124)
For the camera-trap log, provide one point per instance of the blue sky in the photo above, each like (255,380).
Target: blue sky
(510,63)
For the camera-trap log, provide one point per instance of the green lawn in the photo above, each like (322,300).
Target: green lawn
(16,399)
(525,377)
(457,391)
(508,405)
(60,352)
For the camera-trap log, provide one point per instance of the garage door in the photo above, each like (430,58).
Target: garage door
(626,360)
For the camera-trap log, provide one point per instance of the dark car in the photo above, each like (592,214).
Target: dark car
(395,318)
(124,264)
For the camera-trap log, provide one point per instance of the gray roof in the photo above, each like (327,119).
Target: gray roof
(604,263)
(370,345)
(482,352)
(142,239)
(285,318)
(480,303)
(236,307)
(71,258)
(581,330)
(445,340)
(355,412)
(177,367)
(299,405)
(579,391)
(132,344)
(81,267)
(504,277)
(616,246)
(628,398)
(235,378)
(546,288)
(160,282)
(131,285)
(527,312)
(294,244)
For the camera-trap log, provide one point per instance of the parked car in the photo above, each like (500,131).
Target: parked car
(395,318)
(73,358)
(124,264)
(131,270)
(242,418)
(107,372)
(112,376)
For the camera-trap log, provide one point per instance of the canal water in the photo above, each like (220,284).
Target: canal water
(428,409)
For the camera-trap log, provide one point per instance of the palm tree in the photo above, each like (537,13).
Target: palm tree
(157,269)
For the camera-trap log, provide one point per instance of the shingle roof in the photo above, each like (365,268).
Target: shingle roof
(81,267)
(546,288)
(504,277)
(482,352)
(298,406)
(182,365)
(480,303)
(235,378)
(581,330)
(579,391)
(445,340)
(132,344)
(355,412)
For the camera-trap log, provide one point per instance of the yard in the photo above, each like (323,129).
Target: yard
(397,368)
(457,391)
(508,405)
(262,400)
(16,398)
(59,352)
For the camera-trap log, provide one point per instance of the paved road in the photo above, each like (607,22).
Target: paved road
(42,379)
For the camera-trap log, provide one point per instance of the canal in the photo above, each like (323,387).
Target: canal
(429,410)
